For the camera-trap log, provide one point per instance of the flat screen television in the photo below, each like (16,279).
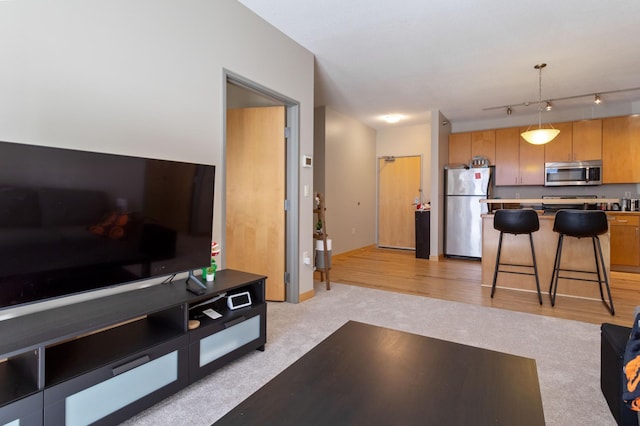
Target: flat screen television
(75,221)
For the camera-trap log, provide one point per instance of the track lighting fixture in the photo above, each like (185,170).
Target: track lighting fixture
(550,103)
(509,111)
(548,107)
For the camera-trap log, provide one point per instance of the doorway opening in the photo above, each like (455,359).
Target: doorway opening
(241,93)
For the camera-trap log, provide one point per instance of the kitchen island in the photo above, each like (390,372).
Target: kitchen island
(576,254)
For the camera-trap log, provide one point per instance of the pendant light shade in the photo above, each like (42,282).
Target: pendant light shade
(540,136)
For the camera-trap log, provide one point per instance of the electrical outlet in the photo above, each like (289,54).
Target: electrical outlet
(627,194)
(517,195)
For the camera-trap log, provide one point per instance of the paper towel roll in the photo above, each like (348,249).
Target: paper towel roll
(320,244)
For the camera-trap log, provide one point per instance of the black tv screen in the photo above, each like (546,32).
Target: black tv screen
(74,221)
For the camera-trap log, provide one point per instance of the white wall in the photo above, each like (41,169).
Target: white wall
(145,77)
(349,181)
(408,141)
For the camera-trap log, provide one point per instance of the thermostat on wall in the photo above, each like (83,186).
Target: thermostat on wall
(239,300)
(307,161)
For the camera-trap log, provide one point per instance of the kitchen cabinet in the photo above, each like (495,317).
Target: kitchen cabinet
(577,141)
(507,156)
(517,161)
(561,147)
(483,144)
(624,230)
(620,149)
(531,163)
(587,140)
(460,148)
(466,145)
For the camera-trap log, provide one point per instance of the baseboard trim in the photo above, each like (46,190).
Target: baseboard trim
(631,276)
(354,251)
(307,295)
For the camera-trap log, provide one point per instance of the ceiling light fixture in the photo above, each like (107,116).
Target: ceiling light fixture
(392,118)
(540,136)
(595,98)
(509,111)
(548,107)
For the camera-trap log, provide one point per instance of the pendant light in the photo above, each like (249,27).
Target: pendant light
(540,136)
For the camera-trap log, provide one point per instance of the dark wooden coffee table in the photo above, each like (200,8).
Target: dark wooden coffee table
(368,375)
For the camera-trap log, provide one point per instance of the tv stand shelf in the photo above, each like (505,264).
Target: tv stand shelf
(53,356)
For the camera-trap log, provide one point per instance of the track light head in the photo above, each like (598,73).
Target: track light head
(597,100)
(548,106)
(509,111)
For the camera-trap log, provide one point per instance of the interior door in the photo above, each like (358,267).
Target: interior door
(399,184)
(255,194)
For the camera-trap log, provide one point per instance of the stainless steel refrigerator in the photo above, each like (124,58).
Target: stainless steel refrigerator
(464,188)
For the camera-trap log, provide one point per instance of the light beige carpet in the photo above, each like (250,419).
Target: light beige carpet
(567,353)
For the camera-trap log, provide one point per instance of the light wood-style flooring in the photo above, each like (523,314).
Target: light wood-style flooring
(460,281)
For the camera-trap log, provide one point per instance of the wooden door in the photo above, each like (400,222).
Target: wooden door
(459,148)
(507,156)
(399,184)
(255,194)
(587,140)
(561,147)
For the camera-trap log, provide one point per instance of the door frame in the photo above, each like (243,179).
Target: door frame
(292,199)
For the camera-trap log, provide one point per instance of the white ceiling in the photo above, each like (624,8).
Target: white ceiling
(461,56)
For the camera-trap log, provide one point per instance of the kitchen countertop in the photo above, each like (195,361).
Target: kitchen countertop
(551,215)
(549,200)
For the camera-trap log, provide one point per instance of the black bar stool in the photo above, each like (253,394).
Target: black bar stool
(516,222)
(581,224)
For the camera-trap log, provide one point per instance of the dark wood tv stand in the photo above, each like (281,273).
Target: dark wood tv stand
(57,363)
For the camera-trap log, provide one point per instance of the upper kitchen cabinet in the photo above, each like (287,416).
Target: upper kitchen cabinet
(587,140)
(531,162)
(577,141)
(561,147)
(464,146)
(621,150)
(484,144)
(517,161)
(507,156)
(460,148)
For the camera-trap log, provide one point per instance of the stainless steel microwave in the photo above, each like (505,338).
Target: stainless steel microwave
(573,173)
